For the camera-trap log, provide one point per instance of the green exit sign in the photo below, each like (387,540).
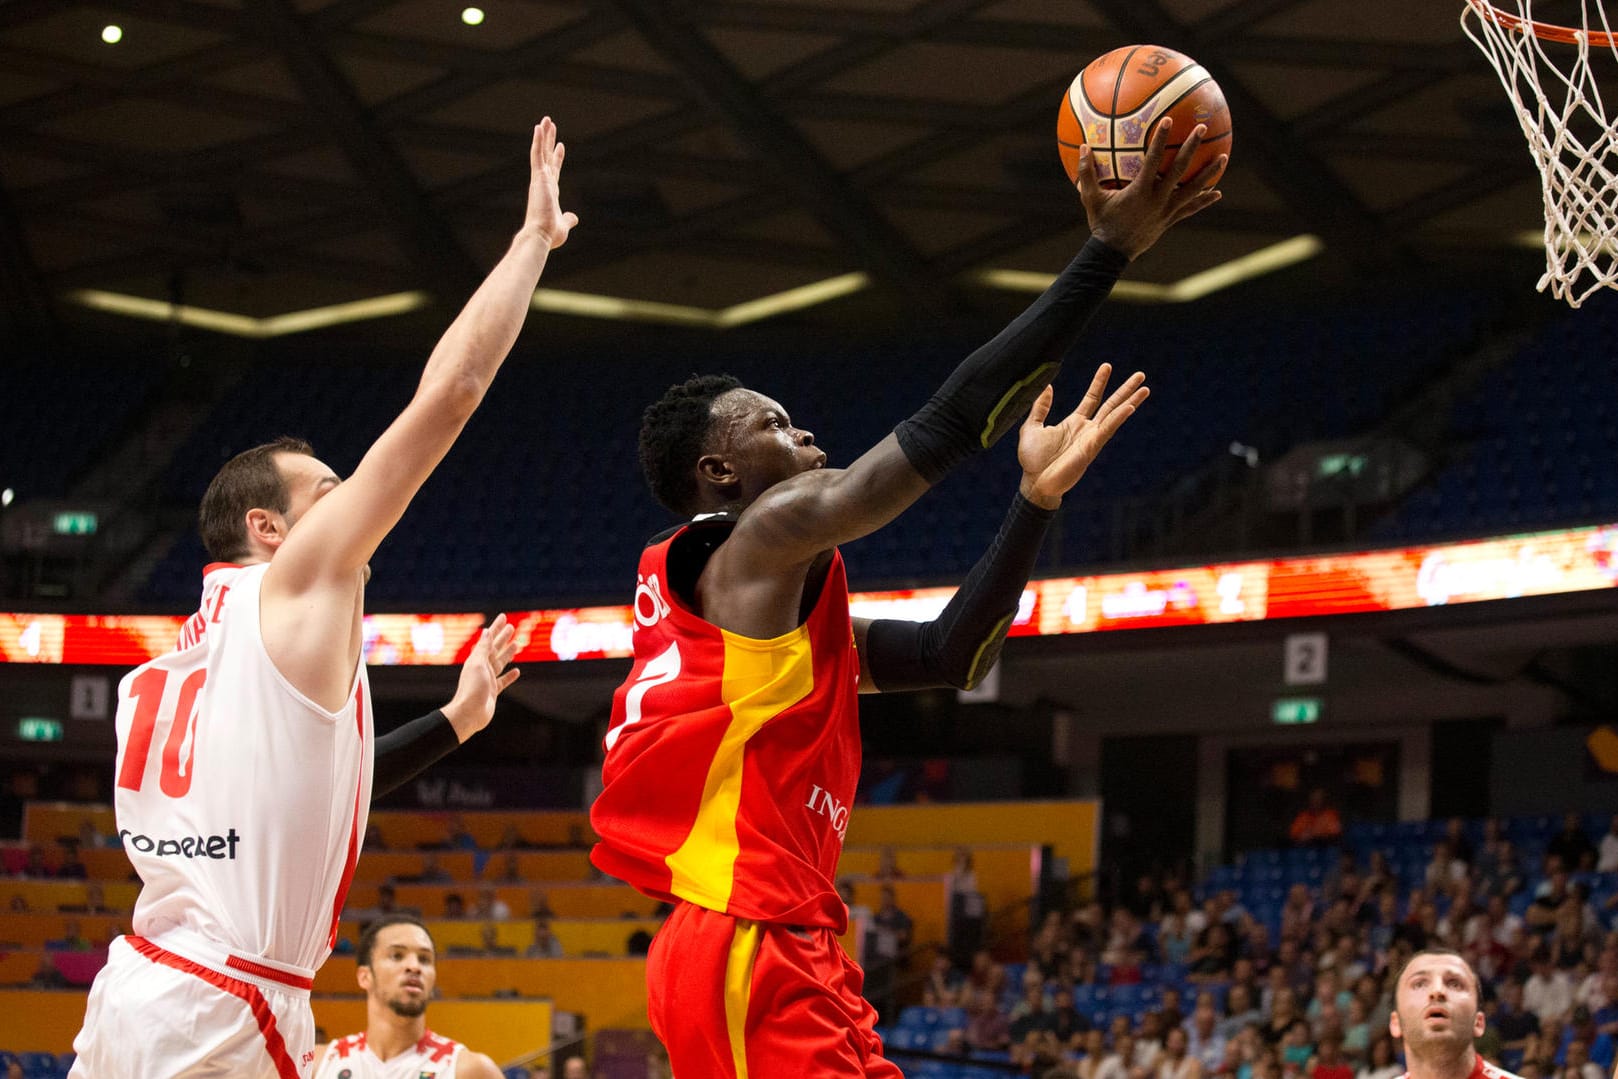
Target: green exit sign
(1294,710)
(39,729)
(74,524)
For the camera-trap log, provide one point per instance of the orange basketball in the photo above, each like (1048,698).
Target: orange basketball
(1117,102)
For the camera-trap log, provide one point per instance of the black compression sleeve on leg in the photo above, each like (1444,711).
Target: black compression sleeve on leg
(991,390)
(959,646)
(409,750)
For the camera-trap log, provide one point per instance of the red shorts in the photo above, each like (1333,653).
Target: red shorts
(733,999)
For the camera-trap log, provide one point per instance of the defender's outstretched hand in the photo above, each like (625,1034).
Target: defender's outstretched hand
(483,678)
(1054,458)
(1133,217)
(545,214)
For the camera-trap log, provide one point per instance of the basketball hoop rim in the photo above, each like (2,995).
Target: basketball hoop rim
(1545,31)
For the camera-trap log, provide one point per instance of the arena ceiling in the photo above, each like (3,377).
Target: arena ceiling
(261,158)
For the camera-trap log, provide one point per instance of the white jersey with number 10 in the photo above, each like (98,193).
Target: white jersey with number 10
(241,803)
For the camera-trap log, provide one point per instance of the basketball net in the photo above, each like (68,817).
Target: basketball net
(1575,145)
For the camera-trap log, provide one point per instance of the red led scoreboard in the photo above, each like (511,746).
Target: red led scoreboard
(1405,578)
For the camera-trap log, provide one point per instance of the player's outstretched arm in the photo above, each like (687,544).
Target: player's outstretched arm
(343,530)
(410,749)
(985,396)
(963,642)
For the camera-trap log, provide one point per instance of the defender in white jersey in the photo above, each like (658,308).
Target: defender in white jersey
(245,756)
(1436,1013)
(397,968)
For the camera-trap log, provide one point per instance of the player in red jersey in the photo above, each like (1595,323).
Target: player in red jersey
(397,966)
(246,757)
(733,749)
(1436,1012)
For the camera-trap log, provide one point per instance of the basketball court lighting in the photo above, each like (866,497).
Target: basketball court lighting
(472,16)
(112,33)
(1254,264)
(7,497)
(204,318)
(592,305)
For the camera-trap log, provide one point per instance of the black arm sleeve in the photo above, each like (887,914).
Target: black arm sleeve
(409,750)
(991,390)
(962,643)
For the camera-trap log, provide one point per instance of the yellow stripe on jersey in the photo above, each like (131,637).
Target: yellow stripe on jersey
(739,989)
(762,679)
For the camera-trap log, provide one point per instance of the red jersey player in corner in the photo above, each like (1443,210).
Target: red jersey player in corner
(245,756)
(1436,1011)
(397,966)
(733,750)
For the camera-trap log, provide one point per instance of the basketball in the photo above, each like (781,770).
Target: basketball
(1117,101)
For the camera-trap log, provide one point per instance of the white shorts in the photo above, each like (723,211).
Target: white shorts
(155,1014)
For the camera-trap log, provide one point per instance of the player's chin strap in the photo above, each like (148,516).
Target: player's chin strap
(992,389)
(959,646)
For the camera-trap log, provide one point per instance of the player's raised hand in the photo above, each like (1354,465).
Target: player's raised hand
(484,676)
(1131,218)
(545,215)
(1054,458)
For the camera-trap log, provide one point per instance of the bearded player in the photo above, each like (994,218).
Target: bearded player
(397,966)
(733,750)
(1436,1012)
(245,756)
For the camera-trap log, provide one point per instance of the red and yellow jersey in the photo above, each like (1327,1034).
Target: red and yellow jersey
(731,762)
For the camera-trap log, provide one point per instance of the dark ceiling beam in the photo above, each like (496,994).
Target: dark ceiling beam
(880,247)
(1240,17)
(1505,149)
(1055,209)
(1479,183)
(444,263)
(1350,109)
(1328,206)
(27,312)
(88,89)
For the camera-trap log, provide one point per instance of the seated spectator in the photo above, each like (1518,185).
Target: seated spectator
(1240,1012)
(19,905)
(1317,824)
(986,975)
(489,936)
(1297,913)
(887,865)
(490,907)
(1607,850)
(454,905)
(1175,938)
(1283,1013)
(545,945)
(1572,846)
(986,1025)
(510,871)
(90,837)
(1356,1030)
(1120,1063)
(1445,873)
(1499,870)
(1067,1023)
(1296,1047)
(513,839)
(1381,1063)
(35,865)
(1578,1063)
(1205,1041)
(374,840)
(1168,1008)
(1029,1015)
(1328,1061)
(1176,1061)
(1148,1042)
(1459,845)
(1213,954)
(95,901)
(1548,992)
(1095,1051)
(459,837)
(640,943)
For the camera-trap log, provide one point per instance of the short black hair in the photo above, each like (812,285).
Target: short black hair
(250,480)
(362,954)
(673,431)
(1439,949)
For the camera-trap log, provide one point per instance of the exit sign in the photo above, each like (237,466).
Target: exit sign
(74,524)
(39,729)
(1289,711)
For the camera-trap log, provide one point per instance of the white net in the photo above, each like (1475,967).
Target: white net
(1555,85)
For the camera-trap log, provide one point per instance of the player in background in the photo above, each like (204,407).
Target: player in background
(733,749)
(245,757)
(1437,1013)
(397,967)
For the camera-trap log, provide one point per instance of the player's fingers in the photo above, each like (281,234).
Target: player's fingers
(1041,407)
(1187,151)
(1089,185)
(1121,394)
(1195,205)
(1115,419)
(558,155)
(1098,387)
(1157,146)
(506,679)
(1197,180)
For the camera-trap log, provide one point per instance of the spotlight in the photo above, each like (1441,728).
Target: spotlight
(472,16)
(112,33)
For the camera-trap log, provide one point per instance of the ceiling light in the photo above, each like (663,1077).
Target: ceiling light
(472,16)
(7,496)
(112,33)
(1263,261)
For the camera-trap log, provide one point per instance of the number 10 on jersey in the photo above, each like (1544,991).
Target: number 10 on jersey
(179,714)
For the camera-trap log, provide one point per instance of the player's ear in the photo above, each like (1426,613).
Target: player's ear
(715,470)
(363,976)
(1393,1024)
(265,527)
